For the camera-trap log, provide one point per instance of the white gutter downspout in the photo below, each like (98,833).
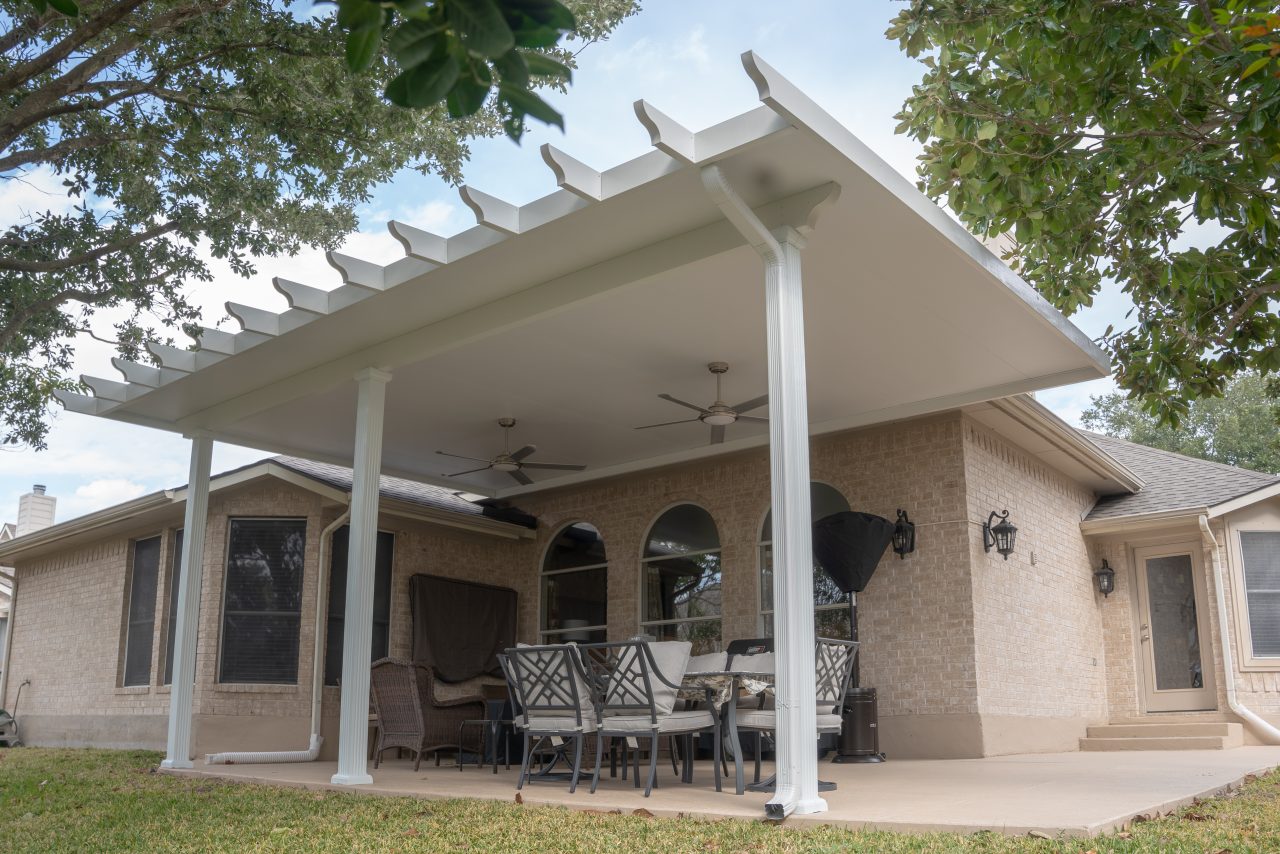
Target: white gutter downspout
(1264,730)
(317,673)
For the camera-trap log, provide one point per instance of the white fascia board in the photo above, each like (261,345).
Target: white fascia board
(1242,501)
(1142,521)
(1037,417)
(477,524)
(802,112)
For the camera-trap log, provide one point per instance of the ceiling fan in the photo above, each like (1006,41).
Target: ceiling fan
(511,462)
(719,414)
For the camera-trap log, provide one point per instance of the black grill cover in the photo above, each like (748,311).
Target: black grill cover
(849,545)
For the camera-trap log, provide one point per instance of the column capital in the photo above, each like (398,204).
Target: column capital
(790,236)
(374,374)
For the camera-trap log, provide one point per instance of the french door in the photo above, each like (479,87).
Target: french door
(1173,634)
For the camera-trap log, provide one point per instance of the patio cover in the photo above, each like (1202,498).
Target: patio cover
(571,313)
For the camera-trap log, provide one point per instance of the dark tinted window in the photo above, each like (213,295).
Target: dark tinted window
(338,602)
(263,600)
(175,563)
(143,578)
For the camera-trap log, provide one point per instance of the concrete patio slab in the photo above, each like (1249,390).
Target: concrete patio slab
(1059,794)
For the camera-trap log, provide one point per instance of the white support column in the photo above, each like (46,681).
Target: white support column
(178,754)
(357,636)
(794,651)
(797,754)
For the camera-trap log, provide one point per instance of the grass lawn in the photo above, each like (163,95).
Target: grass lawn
(103,800)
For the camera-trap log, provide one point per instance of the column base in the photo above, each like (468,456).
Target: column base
(176,764)
(351,780)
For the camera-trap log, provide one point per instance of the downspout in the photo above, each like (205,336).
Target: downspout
(8,637)
(317,672)
(1264,730)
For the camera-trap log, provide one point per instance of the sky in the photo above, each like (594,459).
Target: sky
(680,56)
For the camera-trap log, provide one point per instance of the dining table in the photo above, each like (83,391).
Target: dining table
(723,688)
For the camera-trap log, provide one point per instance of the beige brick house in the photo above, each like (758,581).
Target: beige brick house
(972,654)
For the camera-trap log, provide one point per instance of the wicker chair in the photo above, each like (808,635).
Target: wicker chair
(411,717)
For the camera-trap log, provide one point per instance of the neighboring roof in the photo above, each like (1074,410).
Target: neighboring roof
(1173,481)
(8,531)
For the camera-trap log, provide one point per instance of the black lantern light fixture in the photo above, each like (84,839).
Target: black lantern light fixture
(904,536)
(1000,535)
(1106,578)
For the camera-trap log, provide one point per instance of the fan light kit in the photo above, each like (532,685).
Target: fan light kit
(718,415)
(511,462)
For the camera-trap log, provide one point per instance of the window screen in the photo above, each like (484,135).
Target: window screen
(681,596)
(175,563)
(263,600)
(575,587)
(1260,551)
(141,630)
(338,601)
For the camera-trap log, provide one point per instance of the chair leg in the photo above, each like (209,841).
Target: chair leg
(636,758)
(595,775)
(524,763)
(653,764)
(417,759)
(759,744)
(577,763)
(613,757)
(717,752)
(671,743)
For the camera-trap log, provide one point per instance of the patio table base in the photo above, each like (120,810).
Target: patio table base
(768,784)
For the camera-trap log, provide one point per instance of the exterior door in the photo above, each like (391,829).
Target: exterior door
(1173,634)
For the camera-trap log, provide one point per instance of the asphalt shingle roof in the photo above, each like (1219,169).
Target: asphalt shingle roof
(1173,481)
(426,495)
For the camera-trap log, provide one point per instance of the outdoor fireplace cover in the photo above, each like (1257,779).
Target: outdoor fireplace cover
(848,546)
(459,627)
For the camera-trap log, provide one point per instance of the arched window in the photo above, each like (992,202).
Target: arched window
(575,586)
(681,596)
(830,604)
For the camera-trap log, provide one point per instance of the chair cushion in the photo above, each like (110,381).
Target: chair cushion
(555,724)
(690,721)
(709,663)
(767,719)
(670,658)
(761,662)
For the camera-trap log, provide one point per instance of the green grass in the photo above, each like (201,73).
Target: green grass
(102,800)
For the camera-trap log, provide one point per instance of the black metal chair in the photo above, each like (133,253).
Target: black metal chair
(636,699)
(552,690)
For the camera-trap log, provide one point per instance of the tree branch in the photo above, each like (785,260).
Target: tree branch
(83,32)
(16,265)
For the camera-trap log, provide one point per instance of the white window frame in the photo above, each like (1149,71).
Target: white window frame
(543,572)
(1248,661)
(764,614)
(644,572)
(128,608)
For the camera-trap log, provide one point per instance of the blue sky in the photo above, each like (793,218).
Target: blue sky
(682,57)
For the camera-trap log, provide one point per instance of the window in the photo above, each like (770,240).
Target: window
(830,603)
(262,604)
(141,629)
(1260,554)
(338,601)
(175,564)
(575,587)
(681,597)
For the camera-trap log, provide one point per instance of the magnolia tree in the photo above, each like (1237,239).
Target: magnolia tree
(231,129)
(1116,140)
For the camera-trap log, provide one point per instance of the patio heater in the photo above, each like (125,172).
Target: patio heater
(848,546)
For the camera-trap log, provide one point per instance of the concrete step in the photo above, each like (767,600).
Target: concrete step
(1201,742)
(1232,732)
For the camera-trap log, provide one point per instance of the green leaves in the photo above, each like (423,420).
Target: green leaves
(1137,144)
(67,8)
(463,52)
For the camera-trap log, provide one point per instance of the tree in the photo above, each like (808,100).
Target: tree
(191,130)
(1132,141)
(1238,428)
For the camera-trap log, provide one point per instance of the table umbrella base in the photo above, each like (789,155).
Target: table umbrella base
(847,758)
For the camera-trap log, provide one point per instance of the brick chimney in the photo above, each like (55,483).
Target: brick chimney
(35,510)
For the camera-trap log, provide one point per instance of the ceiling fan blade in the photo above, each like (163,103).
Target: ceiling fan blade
(683,403)
(523,452)
(520,477)
(667,423)
(468,471)
(753,403)
(461,457)
(556,466)
(756,418)
(717,434)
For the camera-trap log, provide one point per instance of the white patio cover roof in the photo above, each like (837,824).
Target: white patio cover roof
(573,312)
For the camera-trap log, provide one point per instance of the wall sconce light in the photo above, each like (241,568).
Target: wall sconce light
(904,536)
(1000,535)
(1106,578)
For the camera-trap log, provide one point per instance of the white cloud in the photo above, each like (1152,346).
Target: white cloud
(38,191)
(102,493)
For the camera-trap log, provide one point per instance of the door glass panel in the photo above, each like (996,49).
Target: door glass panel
(1175,636)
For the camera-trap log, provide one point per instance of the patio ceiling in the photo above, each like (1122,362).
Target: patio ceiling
(571,314)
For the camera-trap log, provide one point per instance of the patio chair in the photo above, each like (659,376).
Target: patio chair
(409,714)
(834,661)
(553,691)
(636,683)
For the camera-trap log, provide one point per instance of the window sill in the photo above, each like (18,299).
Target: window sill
(254,688)
(133,689)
